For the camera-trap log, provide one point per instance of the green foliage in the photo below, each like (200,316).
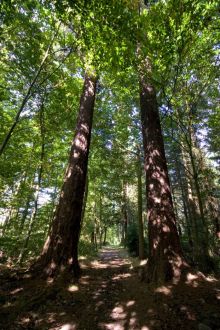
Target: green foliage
(86,249)
(132,241)
(181,39)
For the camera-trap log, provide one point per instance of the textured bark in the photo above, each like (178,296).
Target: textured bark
(140,206)
(60,251)
(165,256)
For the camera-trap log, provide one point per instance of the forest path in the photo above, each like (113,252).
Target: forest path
(109,296)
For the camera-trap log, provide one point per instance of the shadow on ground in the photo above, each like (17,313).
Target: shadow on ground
(109,296)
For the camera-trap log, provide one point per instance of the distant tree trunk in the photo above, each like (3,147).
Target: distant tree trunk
(125,213)
(24,215)
(92,237)
(61,248)
(96,226)
(122,232)
(140,218)
(193,163)
(37,187)
(191,204)
(84,203)
(214,209)
(185,205)
(124,224)
(165,254)
(105,235)
(95,240)
(53,209)
(179,230)
(85,197)
(203,225)
(32,219)
(13,210)
(95,235)
(101,231)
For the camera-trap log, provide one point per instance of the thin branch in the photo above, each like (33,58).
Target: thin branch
(28,94)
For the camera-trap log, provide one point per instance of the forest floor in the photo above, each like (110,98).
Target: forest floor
(109,296)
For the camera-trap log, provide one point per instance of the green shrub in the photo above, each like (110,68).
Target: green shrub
(132,242)
(86,249)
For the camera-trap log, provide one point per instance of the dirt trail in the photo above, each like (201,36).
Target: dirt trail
(109,296)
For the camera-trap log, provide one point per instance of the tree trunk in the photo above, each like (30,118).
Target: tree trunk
(193,165)
(165,254)
(14,209)
(214,209)
(92,239)
(37,188)
(186,210)
(61,248)
(124,225)
(105,235)
(124,214)
(53,210)
(24,215)
(122,232)
(95,240)
(32,219)
(85,197)
(203,226)
(191,204)
(140,219)
(101,231)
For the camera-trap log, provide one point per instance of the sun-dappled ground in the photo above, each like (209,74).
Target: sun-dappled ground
(109,296)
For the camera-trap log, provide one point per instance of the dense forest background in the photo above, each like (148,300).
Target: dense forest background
(47,47)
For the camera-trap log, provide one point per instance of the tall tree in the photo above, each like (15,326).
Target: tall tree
(165,255)
(61,247)
(140,208)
